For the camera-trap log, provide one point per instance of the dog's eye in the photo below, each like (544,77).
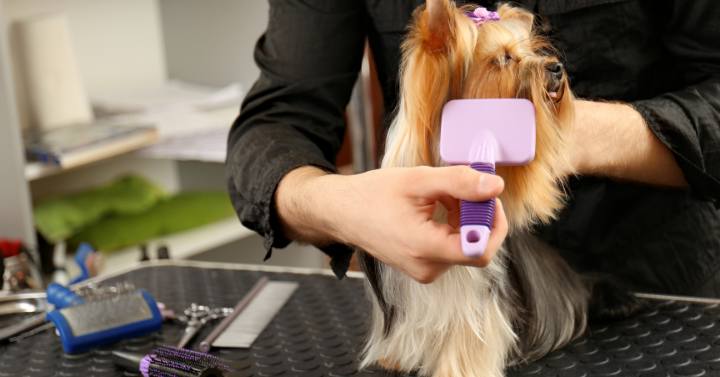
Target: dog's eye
(505,59)
(544,51)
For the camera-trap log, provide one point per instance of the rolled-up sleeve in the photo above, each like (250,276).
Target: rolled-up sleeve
(309,58)
(687,120)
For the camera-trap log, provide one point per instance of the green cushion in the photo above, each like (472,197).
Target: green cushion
(175,214)
(61,218)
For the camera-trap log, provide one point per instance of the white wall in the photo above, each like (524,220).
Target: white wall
(118,45)
(250,250)
(212,41)
(126,44)
(15,217)
(120,50)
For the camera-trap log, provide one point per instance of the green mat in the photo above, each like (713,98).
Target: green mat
(175,214)
(60,218)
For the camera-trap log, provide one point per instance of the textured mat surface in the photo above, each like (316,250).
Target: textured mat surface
(320,331)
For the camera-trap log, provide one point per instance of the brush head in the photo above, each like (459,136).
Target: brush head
(498,130)
(482,133)
(170,361)
(182,362)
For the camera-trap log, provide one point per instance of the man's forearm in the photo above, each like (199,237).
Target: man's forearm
(295,199)
(612,139)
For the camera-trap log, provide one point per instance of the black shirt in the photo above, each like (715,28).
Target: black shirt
(662,57)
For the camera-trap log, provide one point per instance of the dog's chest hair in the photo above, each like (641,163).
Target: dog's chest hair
(466,312)
(465,307)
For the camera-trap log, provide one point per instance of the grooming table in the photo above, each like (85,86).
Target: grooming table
(320,331)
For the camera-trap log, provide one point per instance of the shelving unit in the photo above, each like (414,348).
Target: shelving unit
(123,45)
(182,245)
(36,170)
(15,207)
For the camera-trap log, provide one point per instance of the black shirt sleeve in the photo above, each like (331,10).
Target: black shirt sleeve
(687,120)
(309,58)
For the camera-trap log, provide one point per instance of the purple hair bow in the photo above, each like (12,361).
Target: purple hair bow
(481,15)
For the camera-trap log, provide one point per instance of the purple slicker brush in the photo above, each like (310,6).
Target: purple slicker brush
(170,361)
(481,133)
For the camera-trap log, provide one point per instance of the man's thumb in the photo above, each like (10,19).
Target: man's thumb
(460,182)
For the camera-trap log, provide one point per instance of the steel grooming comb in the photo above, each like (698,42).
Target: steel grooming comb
(482,133)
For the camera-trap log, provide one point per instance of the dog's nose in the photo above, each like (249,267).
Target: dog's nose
(555,69)
(554,78)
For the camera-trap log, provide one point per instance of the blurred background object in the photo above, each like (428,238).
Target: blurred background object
(113,124)
(19,268)
(55,92)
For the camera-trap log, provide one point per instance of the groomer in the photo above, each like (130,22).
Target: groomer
(644,206)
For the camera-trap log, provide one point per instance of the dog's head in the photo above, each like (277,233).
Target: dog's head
(450,54)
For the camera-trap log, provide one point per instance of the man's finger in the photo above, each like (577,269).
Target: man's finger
(460,182)
(452,207)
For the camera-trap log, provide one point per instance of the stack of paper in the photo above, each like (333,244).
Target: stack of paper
(192,120)
(173,95)
(72,146)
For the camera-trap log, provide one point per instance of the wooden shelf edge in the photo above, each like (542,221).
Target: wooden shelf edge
(36,170)
(182,245)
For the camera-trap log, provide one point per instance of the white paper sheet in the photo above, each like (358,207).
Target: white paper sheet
(192,121)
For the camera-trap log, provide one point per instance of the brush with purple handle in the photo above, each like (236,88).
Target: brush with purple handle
(482,133)
(170,361)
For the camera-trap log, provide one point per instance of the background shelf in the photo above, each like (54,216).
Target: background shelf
(182,245)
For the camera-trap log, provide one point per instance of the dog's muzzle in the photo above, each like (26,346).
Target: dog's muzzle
(554,78)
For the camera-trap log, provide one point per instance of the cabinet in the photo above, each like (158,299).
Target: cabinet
(122,45)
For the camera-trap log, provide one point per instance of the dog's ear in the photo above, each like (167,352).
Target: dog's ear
(521,16)
(429,77)
(438,18)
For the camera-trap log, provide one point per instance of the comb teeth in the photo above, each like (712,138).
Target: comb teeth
(170,362)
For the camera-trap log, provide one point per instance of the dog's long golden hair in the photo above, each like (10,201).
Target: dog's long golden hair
(446,56)
(472,322)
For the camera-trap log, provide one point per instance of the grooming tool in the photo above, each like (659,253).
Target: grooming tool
(168,361)
(94,292)
(251,315)
(56,295)
(36,328)
(196,317)
(105,321)
(13,311)
(163,252)
(61,297)
(86,259)
(2,271)
(206,343)
(19,271)
(23,303)
(8,332)
(144,253)
(482,133)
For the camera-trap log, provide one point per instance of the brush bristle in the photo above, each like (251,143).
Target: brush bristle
(191,363)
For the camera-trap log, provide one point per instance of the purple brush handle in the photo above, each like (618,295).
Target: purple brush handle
(476,219)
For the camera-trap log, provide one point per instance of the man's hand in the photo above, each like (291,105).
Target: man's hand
(612,140)
(389,214)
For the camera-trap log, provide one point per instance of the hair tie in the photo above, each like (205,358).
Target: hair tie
(481,15)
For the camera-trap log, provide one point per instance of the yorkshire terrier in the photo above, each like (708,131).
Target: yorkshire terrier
(474,322)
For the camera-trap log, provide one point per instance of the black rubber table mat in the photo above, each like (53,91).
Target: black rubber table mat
(321,329)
